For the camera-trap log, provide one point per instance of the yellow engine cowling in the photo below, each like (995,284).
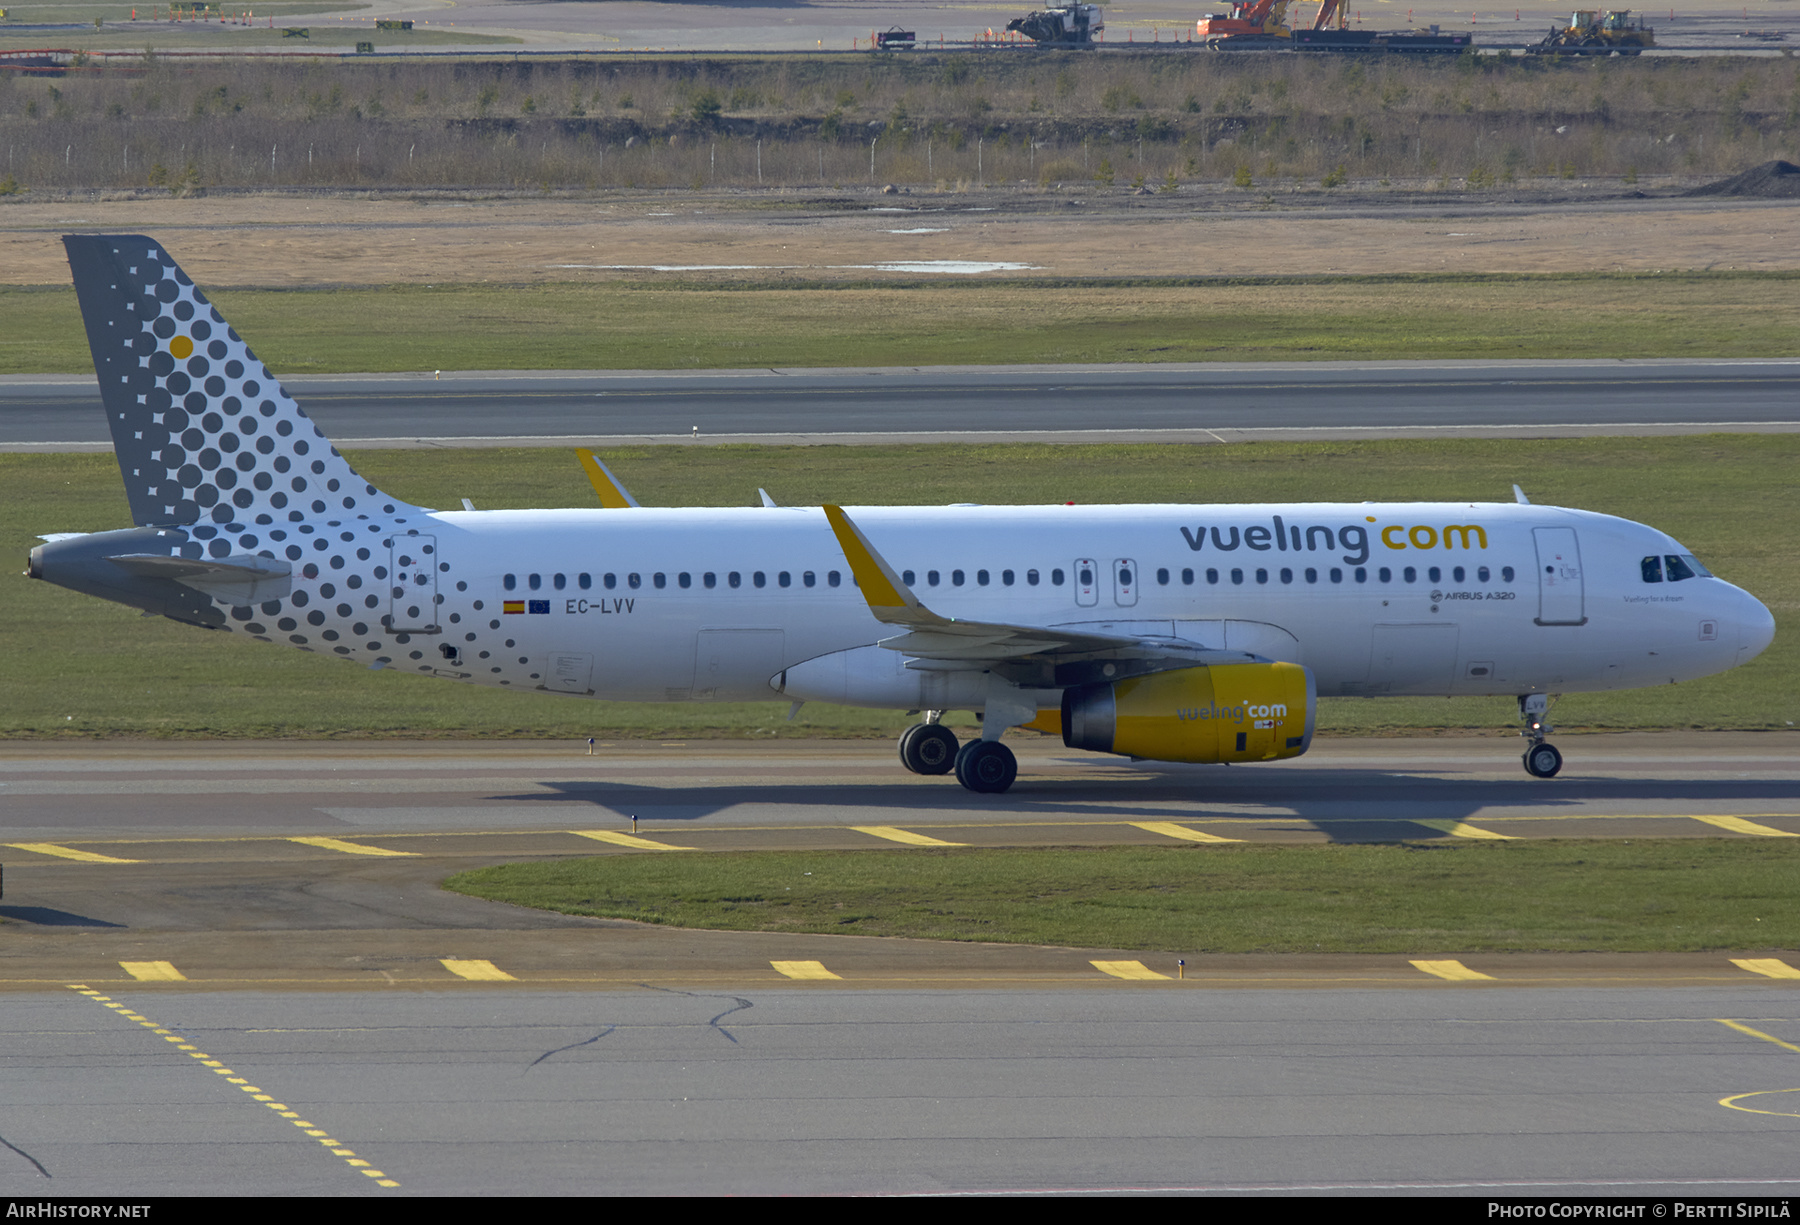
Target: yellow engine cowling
(1227,712)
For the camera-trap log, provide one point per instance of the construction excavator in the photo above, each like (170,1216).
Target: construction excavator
(1250,22)
(1261,25)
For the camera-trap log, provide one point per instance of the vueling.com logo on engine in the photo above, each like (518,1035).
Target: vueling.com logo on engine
(1236,714)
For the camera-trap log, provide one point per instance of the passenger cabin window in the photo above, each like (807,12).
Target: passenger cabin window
(808,578)
(1031,578)
(759,579)
(659,581)
(609,581)
(584,581)
(734,580)
(831,578)
(559,582)
(685,580)
(534,581)
(784,579)
(511,581)
(709,580)
(956,578)
(1056,578)
(634,581)
(931,578)
(908,577)
(1006,578)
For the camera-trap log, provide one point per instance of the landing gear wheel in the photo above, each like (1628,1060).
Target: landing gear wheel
(1542,761)
(928,748)
(986,766)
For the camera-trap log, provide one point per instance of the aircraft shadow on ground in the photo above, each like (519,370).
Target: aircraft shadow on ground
(1344,805)
(49,916)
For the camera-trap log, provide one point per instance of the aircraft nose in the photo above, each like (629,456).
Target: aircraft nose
(1756,627)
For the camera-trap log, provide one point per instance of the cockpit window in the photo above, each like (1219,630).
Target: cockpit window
(1685,566)
(1653,569)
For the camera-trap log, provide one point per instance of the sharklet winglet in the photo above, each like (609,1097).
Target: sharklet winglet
(890,599)
(613,495)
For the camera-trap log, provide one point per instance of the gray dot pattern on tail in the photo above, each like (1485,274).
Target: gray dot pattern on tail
(215,437)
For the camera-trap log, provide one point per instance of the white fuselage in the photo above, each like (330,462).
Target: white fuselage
(711,604)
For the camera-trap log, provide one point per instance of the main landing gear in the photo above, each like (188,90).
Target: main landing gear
(929,747)
(985,766)
(1541,757)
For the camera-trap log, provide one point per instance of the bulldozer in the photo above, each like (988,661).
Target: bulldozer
(1592,32)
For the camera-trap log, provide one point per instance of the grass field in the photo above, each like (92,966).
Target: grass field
(630,325)
(77,666)
(1626,896)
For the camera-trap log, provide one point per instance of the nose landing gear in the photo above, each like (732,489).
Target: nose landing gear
(1542,760)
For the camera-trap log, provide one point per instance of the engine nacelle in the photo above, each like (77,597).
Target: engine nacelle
(1226,712)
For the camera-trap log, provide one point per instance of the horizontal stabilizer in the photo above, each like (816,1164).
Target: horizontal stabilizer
(241,579)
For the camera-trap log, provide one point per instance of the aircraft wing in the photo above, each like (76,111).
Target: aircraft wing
(932,636)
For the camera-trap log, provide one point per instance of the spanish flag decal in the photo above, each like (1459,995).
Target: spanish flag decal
(514,606)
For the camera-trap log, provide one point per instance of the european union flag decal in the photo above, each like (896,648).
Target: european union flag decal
(538,606)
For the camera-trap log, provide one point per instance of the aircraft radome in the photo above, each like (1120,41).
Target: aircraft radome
(1172,633)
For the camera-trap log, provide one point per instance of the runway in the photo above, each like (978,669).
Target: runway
(229,970)
(1201,403)
(1572,1094)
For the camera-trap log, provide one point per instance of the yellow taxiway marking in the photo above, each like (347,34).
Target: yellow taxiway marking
(153,971)
(1169,829)
(351,848)
(476,971)
(631,840)
(803,969)
(1768,967)
(67,852)
(1126,969)
(1455,971)
(1457,829)
(313,1132)
(1738,825)
(895,834)
(1757,1033)
(1731,1103)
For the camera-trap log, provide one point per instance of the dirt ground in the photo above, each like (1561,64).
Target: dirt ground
(312,240)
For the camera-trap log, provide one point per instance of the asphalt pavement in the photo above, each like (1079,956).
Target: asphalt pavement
(1072,403)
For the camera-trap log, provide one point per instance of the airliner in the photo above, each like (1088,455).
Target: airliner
(1167,633)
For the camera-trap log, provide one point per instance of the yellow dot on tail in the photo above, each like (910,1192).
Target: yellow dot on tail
(181,347)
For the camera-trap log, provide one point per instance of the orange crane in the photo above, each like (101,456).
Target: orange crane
(1333,15)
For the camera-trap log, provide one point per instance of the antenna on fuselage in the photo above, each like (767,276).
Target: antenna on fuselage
(1519,496)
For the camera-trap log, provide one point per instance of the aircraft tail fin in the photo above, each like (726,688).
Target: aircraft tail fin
(201,429)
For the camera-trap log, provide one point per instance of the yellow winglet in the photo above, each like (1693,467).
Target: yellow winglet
(889,599)
(612,494)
